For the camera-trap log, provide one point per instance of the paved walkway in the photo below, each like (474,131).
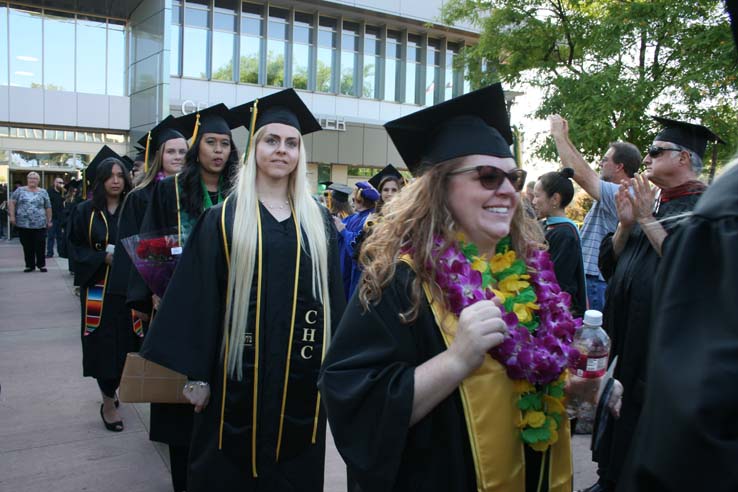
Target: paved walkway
(51,437)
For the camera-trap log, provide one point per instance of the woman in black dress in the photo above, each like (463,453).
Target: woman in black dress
(106,324)
(248,313)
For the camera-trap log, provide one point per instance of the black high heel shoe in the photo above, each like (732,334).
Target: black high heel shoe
(111,426)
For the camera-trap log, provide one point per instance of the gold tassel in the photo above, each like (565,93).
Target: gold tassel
(146,154)
(252,125)
(195,130)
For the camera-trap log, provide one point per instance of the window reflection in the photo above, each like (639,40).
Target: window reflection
(224,26)
(195,42)
(349,57)
(276,46)
(175,39)
(116,58)
(251,41)
(58,45)
(372,62)
(433,72)
(3,45)
(326,54)
(302,36)
(25,48)
(393,67)
(91,55)
(454,76)
(412,70)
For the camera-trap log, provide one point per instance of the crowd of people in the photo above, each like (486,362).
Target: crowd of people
(428,319)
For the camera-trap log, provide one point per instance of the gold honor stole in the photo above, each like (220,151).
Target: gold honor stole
(300,407)
(492,415)
(96,294)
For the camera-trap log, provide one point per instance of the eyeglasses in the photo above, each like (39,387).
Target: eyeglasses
(491,177)
(654,151)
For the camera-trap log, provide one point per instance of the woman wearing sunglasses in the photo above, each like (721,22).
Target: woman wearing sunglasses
(421,383)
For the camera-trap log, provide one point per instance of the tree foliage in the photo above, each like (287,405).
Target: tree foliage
(608,65)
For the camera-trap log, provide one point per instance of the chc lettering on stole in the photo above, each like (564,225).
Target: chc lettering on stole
(308,334)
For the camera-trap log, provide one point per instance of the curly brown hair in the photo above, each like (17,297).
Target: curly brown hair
(412,221)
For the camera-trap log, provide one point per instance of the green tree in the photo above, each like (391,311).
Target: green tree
(608,65)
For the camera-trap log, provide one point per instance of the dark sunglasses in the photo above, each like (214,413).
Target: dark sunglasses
(654,151)
(491,177)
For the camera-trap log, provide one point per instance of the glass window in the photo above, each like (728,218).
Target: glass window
(195,45)
(433,72)
(174,56)
(25,48)
(276,46)
(176,12)
(197,17)
(393,67)
(349,57)
(326,54)
(412,70)
(116,58)
(454,75)
(224,22)
(251,43)
(3,45)
(227,6)
(58,50)
(302,48)
(372,62)
(222,59)
(91,41)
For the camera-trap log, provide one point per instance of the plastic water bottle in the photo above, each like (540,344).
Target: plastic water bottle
(586,375)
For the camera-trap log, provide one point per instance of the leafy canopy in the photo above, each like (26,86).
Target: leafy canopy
(608,65)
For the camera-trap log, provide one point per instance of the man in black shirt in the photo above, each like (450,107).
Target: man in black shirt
(57,210)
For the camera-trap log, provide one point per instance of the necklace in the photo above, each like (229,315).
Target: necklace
(280,206)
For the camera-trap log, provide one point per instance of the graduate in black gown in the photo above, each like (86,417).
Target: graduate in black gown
(687,437)
(106,324)
(248,314)
(169,423)
(629,260)
(414,401)
(553,192)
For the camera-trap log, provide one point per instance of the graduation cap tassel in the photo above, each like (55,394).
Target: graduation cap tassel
(146,154)
(84,184)
(252,126)
(195,130)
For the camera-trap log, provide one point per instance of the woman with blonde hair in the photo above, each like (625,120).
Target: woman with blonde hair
(447,370)
(248,314)
(29,209)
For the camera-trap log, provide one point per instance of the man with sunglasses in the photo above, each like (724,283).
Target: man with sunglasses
(629,260)
(621,161)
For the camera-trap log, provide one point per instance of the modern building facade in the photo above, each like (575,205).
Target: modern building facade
(76,74)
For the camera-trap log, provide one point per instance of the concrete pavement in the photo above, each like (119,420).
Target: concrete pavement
(51,436)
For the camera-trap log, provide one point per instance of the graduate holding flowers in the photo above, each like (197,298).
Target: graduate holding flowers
(448,369)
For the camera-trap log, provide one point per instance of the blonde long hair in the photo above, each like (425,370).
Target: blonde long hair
(309,218)
(155,167)
(412,220)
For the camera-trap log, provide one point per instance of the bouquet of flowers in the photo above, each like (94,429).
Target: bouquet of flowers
(155,256)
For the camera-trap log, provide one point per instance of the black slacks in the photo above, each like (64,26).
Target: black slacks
(34,243)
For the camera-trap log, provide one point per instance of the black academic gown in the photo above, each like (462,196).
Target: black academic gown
(104,350)
(367,383)
(627,320)
(566,254)
(159,202)
(687,437)
(187,335)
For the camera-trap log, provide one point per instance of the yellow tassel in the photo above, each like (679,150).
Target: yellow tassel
(252,125)
(195,130)
(146,154)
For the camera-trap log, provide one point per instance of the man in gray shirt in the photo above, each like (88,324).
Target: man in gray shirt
(621,161)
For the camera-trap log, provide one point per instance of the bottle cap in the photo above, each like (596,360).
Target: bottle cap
(592,317)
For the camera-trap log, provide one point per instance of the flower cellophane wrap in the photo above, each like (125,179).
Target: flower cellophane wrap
(155,256)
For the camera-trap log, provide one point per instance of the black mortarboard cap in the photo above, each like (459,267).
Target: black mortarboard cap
(140,153)
(284,107)
(74,183)
(389,170)
(694,137)
(128,162)
(215,119)
(475,123)
(340,191)
(326,183)
(91,169)
(167,129)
